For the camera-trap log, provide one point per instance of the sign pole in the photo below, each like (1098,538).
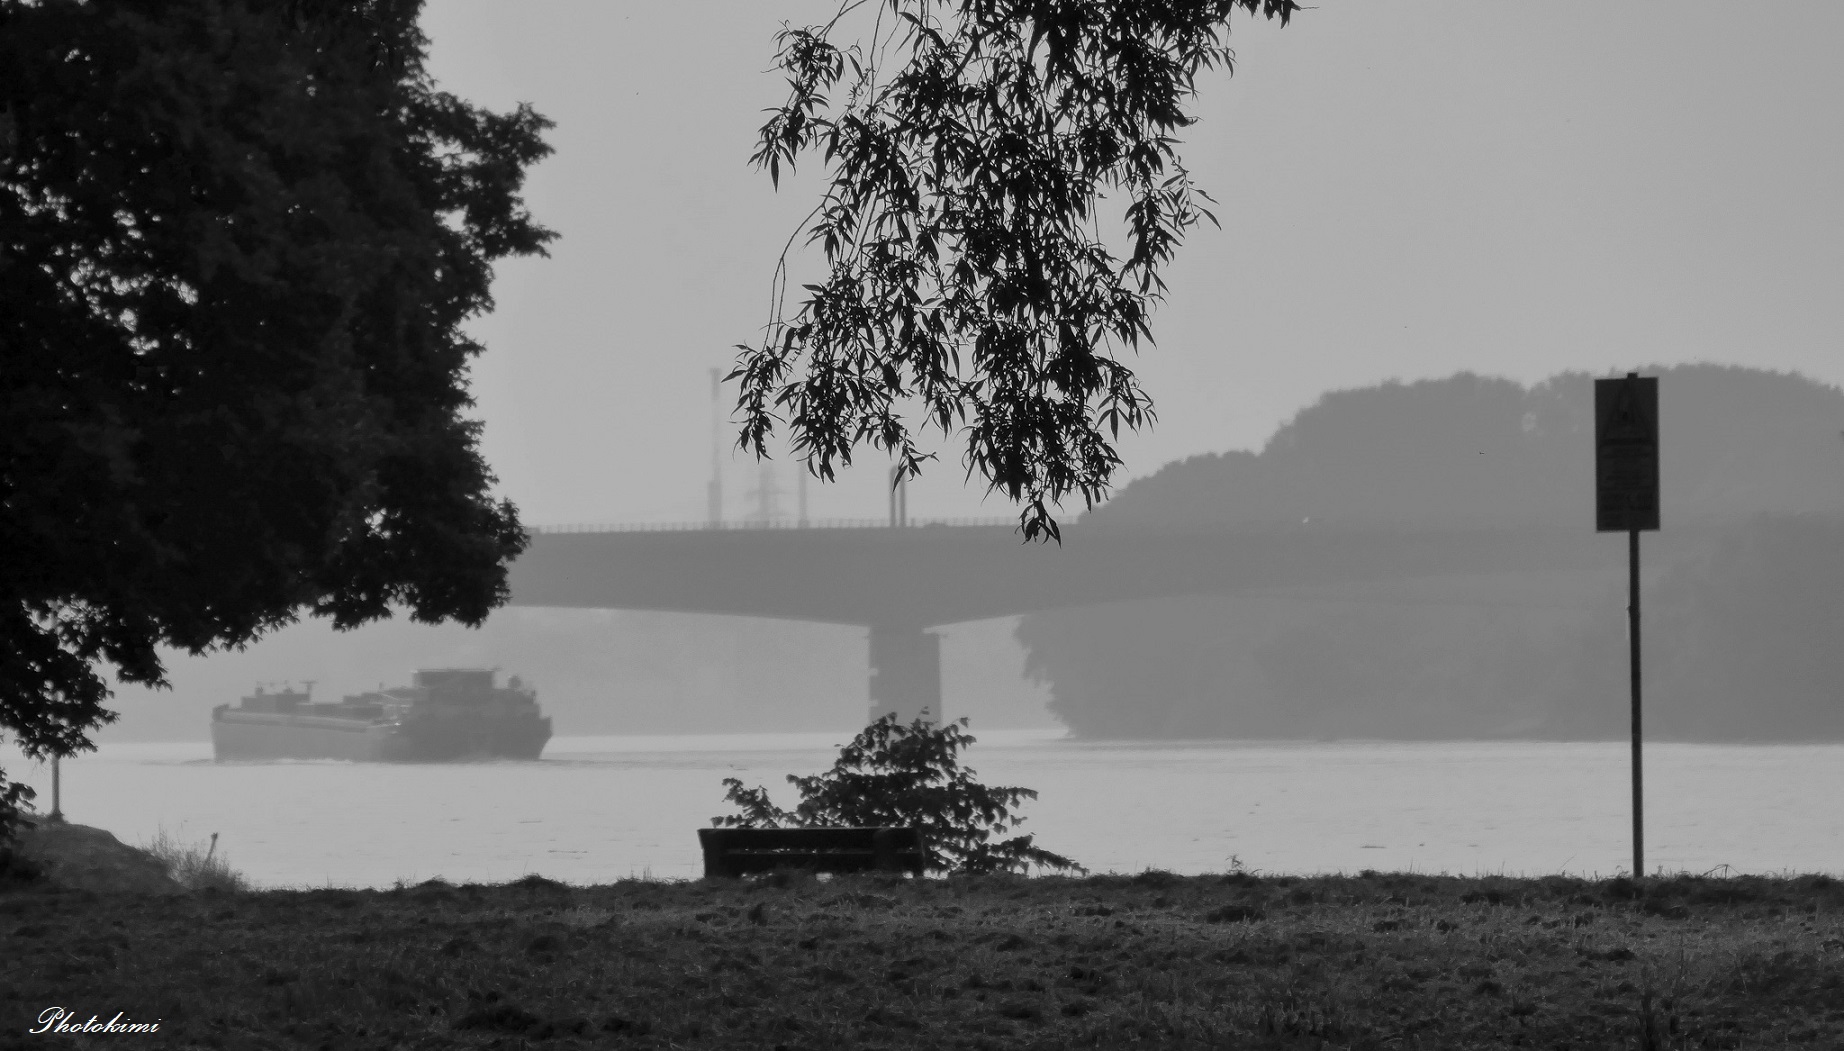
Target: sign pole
(1632,625)
(1626,500)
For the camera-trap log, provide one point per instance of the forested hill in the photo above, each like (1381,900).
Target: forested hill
(1743,643)
(1736,442)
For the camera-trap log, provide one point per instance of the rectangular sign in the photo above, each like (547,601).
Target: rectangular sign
(1626,454)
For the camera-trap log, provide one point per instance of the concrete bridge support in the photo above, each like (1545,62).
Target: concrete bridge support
(905,674)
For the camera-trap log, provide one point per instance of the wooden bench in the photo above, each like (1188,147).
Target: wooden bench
(740,851)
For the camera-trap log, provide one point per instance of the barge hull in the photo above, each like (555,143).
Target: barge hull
(259,735)
(262,736)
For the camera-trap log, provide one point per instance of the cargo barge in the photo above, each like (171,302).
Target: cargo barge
(446,714)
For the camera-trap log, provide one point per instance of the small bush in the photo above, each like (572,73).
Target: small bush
(15,800)
(196,866)
(896,775)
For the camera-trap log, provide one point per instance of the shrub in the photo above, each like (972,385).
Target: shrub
(15,800)
(895,775)
(15,867)
(195,867)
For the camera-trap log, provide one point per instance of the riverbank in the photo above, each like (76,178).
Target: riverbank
(1372,961)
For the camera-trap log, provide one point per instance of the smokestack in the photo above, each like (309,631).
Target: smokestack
(714,492)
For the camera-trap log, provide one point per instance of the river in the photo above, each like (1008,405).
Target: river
(597,809)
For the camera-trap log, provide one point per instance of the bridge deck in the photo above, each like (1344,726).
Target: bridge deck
(930,575)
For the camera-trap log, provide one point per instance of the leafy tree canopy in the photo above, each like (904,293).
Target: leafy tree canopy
(238,240)
(970,281)
(892,775)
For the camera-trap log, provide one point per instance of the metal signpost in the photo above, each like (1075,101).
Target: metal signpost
(1626,499)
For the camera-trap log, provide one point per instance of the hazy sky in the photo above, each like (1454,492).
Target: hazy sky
(1406,190)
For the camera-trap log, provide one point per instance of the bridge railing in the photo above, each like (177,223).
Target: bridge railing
(811,523)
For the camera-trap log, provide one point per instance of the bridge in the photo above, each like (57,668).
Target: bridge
(900,581)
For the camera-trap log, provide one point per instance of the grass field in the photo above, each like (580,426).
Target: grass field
(790,961)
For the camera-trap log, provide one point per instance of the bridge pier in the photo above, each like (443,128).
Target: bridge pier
(905,674)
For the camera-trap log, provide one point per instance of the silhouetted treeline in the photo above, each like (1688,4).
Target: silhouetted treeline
(1744,637)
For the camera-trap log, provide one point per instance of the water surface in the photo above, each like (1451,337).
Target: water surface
(596,809)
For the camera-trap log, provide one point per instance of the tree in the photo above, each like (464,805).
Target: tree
(238,240)
(902,776)
(970,279)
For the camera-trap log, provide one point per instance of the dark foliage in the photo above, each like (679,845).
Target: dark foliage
(970,277)
(14,798)
(238,241)
(896,775)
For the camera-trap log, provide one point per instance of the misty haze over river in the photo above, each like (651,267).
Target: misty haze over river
(1741,630)
(1468,723)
